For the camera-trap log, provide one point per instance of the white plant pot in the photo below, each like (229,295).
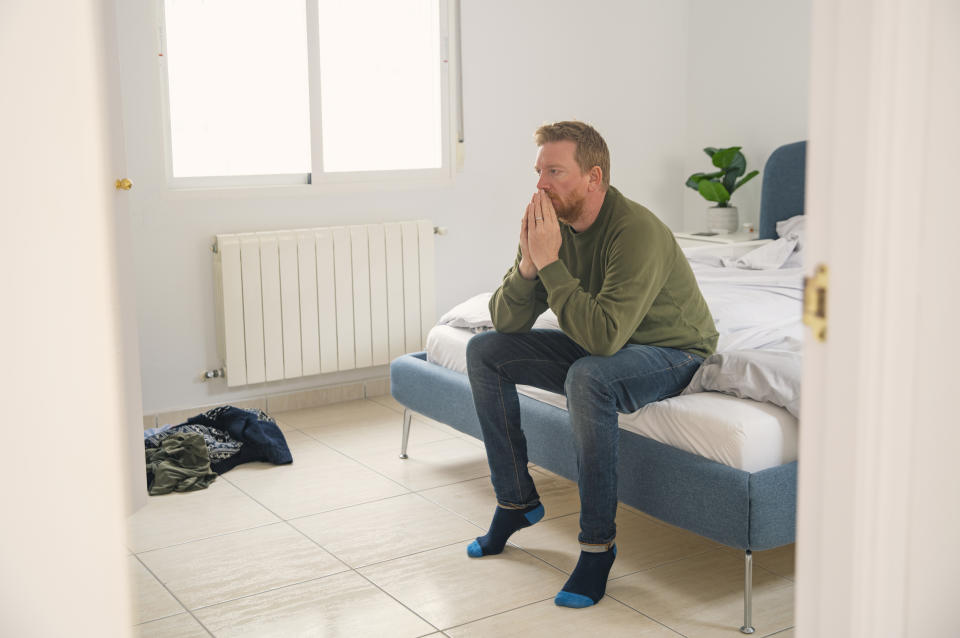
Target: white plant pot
(723,220)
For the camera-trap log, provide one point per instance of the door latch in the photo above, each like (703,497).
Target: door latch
(815,290)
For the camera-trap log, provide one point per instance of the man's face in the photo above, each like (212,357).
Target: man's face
(561,179)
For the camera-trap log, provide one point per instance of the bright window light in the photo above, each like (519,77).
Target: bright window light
(380,85)
(238,87)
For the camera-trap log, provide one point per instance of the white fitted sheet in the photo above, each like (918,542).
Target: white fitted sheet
(740,433)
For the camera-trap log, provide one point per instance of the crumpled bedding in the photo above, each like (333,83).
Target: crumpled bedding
(768,375)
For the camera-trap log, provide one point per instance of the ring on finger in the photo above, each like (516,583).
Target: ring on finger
(538,219)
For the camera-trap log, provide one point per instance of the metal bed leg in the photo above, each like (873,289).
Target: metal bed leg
(748,594)
(407,415)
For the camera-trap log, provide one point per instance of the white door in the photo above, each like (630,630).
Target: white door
(136,481)
(879,491)
(65,428)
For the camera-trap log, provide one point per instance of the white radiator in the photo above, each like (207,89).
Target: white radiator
(292,303)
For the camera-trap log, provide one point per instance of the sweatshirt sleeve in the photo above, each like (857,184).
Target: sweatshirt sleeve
(635,270)
(517,303)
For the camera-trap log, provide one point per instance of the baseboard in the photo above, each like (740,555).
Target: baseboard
(284,402)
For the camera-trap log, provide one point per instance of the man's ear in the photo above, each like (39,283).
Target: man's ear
(595,176)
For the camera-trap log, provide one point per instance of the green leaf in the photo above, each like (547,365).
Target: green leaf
(746,179)
(710,151)
(694,179)
(729,181)
(738,165)
(713,191)
(723,157)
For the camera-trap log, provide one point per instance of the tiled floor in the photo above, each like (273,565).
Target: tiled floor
(351,541)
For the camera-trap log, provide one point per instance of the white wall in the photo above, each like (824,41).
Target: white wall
(746,86)
(523,64)
(622,66)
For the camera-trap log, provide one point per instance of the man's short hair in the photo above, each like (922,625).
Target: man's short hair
(591,148)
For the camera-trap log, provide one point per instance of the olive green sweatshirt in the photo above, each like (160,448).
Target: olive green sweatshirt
(623,280)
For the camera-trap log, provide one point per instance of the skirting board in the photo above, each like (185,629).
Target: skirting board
(313,398)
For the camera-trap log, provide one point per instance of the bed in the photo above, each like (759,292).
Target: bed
(738,488)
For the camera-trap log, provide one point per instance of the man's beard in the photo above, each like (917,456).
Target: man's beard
(568,211)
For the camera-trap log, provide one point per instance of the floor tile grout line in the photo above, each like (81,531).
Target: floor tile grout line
(443,630)
(780,631)
(386,405)
(448,509)
(416,553)
(662,624)
(398,601)
(664,564)
(542,560)
(174,596)
(759,561)
(499,613)
(346,507)
(270,590)
(408,490)
(347,568)
(359,462)
(205,538)
(373,469)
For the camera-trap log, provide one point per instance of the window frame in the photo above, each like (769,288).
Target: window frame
(451,138)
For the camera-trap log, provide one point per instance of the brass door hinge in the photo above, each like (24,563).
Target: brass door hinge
(815,302)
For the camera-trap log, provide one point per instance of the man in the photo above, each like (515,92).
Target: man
(634,329)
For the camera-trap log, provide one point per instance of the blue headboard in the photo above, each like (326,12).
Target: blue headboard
(783,185)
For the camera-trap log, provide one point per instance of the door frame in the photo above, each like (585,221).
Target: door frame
(881,136)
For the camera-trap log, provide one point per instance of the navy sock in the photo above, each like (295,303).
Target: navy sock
(505,522)
(588,582)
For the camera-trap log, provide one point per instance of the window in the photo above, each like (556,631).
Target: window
(307,91)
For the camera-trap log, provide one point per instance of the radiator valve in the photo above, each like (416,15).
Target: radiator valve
(214,374)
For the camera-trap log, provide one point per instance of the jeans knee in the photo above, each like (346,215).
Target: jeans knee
(586,380)
(480,347)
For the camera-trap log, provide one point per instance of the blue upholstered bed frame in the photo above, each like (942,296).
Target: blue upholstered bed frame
(744,510)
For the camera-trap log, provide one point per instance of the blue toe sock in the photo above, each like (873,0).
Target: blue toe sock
(588,582)
(505,522)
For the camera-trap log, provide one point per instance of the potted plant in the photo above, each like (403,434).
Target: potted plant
(720,185)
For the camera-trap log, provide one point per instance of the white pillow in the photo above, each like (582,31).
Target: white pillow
(796,225)
(474,314)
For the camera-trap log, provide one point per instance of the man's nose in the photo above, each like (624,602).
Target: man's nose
(542,182)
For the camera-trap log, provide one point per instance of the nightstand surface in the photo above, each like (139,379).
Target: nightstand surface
(689,240)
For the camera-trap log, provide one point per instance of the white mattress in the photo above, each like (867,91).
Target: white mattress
(740,433)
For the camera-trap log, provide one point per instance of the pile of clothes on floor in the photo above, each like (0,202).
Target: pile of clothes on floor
(190,456)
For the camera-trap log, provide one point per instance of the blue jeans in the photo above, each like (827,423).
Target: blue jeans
(596,389)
